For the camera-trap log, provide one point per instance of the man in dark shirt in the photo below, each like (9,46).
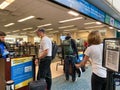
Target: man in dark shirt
(69,59)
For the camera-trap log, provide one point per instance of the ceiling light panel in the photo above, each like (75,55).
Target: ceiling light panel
(71,29)
(98,23)
(16,31)
(63,27)
(111,28)
(50,29)
(45,25)
(6,3)
(94,27)
(27,18)
(8,32)
(10,24)
(73,19)
(73,13)
(89,23)
(27,28)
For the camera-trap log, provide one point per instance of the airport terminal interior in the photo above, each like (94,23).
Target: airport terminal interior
(20,19)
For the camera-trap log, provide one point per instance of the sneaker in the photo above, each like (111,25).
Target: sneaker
(80,72)
(74,79)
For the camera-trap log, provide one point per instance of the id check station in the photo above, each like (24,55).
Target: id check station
(18,70)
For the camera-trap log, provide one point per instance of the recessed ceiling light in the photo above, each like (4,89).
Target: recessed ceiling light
(71,29)
(49,29)
(23,33)
(53,31)
(4,4)
(45,25)
(94,27)
(68,20)
(27,28)
(69,26)
(98,23)
(88,23)
(7,32)
(111,28)
(10,24)
(92,23)
(73,13)
(16,31)
(27,18)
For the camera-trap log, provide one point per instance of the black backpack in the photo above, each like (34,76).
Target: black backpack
(54,50)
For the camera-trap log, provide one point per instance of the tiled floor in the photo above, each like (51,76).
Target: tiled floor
(56,69)
(55,73)
(59,83)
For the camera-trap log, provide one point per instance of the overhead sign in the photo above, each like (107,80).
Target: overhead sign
(21,71)
(84,7)
(90,10)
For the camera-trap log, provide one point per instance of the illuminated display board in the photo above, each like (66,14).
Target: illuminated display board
(84,7)
(90,10)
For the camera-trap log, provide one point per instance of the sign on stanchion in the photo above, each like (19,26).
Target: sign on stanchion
(10,85)
(111,54)
(111,60)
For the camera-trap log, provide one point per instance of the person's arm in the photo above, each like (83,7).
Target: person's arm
(74,46)
(83,62)
(40,56)
(43,54)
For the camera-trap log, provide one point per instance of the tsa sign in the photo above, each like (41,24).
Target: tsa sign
(112,21)
(21,71)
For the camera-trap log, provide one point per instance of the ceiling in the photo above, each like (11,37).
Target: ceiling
(45,12)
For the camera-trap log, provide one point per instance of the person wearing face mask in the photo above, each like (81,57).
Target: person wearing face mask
(3,48)
(70,53)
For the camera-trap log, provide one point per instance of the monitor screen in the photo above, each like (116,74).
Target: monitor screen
(62,37)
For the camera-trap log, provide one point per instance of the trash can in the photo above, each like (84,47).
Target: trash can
(10,85)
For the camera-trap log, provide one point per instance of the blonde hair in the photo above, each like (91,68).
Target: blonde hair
(94,38)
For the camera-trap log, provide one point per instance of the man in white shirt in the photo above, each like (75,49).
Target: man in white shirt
(44,57)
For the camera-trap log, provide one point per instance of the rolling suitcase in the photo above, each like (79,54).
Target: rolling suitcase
(38,85)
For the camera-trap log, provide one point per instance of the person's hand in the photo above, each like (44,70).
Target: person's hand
(77,65)
(36,61)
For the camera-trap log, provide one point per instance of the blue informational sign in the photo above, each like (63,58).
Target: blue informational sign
(84,7)
(90,10)
(21,71)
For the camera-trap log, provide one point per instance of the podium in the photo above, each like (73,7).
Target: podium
(20,70)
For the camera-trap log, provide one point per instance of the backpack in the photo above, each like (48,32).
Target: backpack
(67,47)
(54,50)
